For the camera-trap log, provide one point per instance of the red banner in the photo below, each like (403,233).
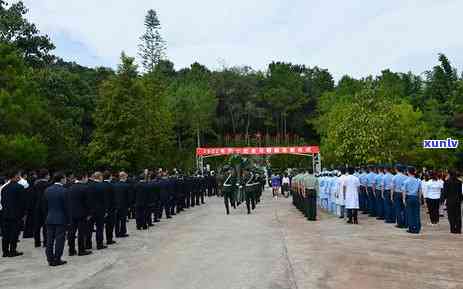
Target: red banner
(257,150)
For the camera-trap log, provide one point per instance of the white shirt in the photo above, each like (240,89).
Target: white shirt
(434,189)
(1,188)
(285,180)
(340,197)
(23,183)
(424,188)
(352,184)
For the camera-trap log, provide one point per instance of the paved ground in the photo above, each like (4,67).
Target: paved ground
(272,248)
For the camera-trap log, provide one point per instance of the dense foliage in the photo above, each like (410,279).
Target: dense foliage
(62,115)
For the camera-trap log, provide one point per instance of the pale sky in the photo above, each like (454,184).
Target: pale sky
(355,37)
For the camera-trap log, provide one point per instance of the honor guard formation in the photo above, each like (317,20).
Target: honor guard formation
(247,189)
(391,194)
(95,209)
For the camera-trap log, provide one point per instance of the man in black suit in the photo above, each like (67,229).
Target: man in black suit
(12,214)
(39,212)
(79,206)
(57,219)
(110,218)
(453,197)
(97,196)
(141,200)
(121,196)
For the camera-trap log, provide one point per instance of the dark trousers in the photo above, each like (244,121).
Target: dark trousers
(39,227)
(172,205)
(110,222)
(413,214)
(379,205)
(389,214)
(454,215)
(79,228)
(228,199)
(433,208)
(352,215)
(29,225)
(150,210)
(371,202)
(192,199)
(250,201)
(97,222)
(10,231)
(121,222)
(363,199)
(141,217)
(55,242)
(399,209)
(164,207)
(311,201)
(187,199)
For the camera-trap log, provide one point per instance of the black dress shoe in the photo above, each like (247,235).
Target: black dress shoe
(169,217)
(110,242)
(101,247)
(5,255)
(85,253)
(60,262)
(15,254)
(156,221)
(124,236)
(72,253)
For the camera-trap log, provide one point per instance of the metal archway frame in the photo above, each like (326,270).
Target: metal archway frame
(308,151)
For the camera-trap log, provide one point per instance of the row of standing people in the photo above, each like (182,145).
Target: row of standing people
(394,194)
(82,207)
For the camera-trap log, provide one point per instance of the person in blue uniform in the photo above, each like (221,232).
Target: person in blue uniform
(412,192)
(389,215)
(363,195)
(371,191)
(399,206)
(379,193)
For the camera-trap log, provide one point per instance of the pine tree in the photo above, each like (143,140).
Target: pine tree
(152,47)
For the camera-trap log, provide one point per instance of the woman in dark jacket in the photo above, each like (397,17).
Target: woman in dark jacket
(452,194)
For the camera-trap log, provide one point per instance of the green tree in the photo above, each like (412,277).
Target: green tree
(370,128)
(152,47)
(116,140)
(16,30)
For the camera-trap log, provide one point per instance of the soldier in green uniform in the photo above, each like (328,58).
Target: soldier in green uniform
(310,184)
(249,191)
(229,190)
(296,193)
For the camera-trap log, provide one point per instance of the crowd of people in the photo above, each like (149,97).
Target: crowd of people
(393,194)
(87,207)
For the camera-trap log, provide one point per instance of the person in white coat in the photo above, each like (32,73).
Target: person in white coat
(351,185)
(324,185)
(340,204)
